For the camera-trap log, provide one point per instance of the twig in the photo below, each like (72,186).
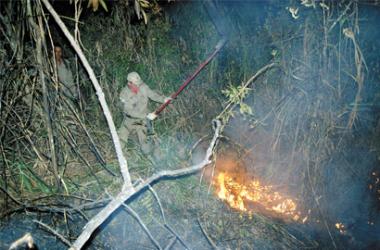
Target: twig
(197,143)
(74,148)
(164,219)
(27,133)
(318,205)
(126,194)
(142,224)
(159,203)
(27,240)
(341,16)
(359,78)
(4,175)
(212,175)
(232,105)
(78,11)
(177,236)
(94,204)
(54,232)
(10,196)
(97,153)
(171,243)
(206,235)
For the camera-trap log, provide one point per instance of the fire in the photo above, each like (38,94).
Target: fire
(244,197)
(340,227)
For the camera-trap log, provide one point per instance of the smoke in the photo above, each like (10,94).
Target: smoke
(309,132)
(298,138)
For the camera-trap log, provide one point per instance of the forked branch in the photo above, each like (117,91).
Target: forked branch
(124,195)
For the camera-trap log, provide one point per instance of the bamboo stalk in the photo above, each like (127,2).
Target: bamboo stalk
(39,34)
(99,92)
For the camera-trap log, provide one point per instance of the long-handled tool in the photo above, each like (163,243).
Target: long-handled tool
(222,29)
(218,47)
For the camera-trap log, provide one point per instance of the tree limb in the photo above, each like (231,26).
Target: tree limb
(115,138)
(232,105)
(126,194)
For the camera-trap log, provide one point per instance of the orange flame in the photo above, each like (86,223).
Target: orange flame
(239,196)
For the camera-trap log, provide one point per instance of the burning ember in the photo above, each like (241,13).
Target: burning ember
(340,227)
(250,196)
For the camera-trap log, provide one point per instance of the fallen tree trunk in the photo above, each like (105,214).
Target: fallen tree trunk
(126,194)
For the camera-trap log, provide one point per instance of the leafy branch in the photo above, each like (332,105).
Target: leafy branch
(236,95)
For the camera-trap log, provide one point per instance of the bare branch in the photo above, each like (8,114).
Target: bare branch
(159,202)
(115,138)
(171,243)
(27,240)
(10,196)
(142,224)
(126,194)
(176,235)
(206,235)
(164,219)
(51,230)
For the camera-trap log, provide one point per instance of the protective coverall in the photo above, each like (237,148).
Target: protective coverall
(135,108)
(65,76)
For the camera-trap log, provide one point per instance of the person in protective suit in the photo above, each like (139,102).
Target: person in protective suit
(65,76)
(135,97)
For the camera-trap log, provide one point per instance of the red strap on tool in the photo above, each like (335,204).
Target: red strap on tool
(218,47)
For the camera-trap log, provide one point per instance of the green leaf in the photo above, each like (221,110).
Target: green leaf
(245,109)
(103,4)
